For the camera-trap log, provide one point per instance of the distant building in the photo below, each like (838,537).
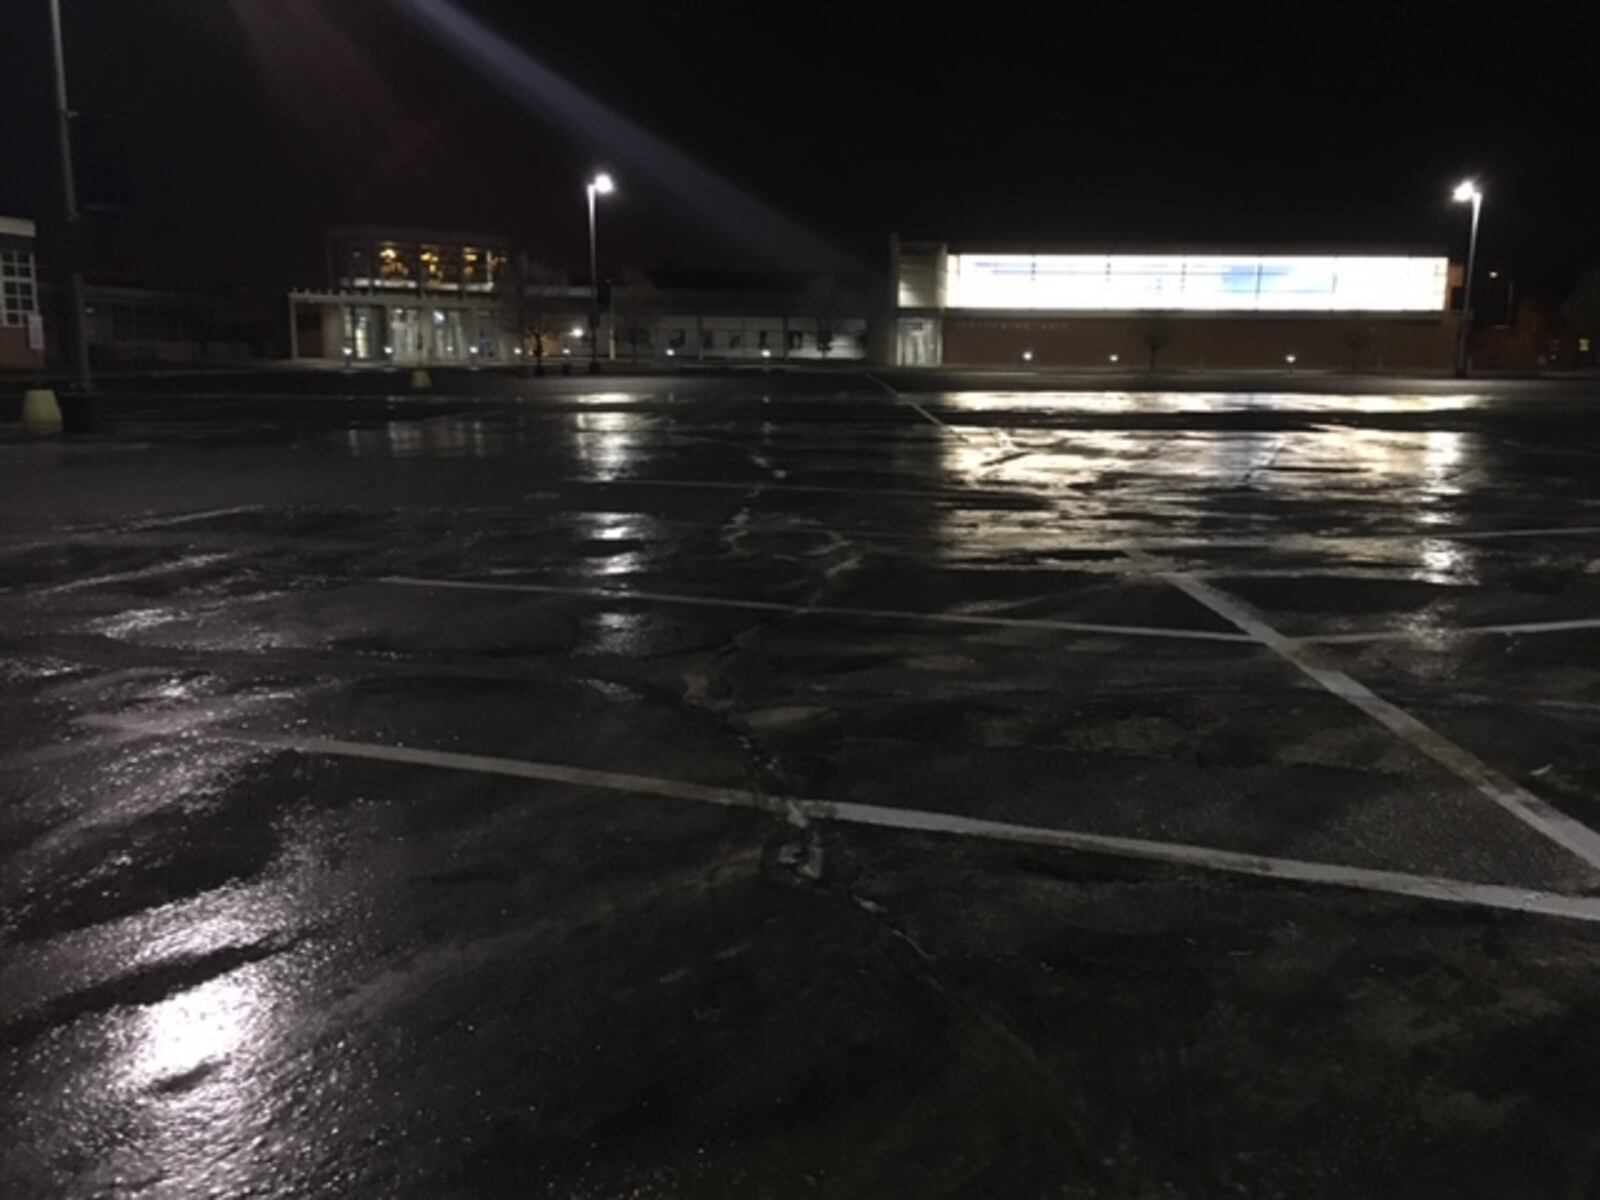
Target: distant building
(721,316)
(19,293)
(415,297)
(149,325)
(406,296)
(124,324)
(1220,309)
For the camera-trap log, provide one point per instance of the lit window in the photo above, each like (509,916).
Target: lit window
(392,265)
(1196,282)
(17,297)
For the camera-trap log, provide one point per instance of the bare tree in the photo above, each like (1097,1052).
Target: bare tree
(822,305)
(1580,312)
(535,327)
(633,308)
(1358,335)
(1157,337)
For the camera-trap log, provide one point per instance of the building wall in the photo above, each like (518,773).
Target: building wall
(359,327)
(14,352)
(19,291)
(1316,342)
(1221,308)
(388,329)
(134,325)
(720,337)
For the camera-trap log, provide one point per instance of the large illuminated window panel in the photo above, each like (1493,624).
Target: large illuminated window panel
(1198,282)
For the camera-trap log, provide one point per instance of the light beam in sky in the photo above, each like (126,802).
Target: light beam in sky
(632,149)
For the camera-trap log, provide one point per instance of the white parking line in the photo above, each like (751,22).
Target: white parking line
(1021,493)
(1513,797)
(831,610)
(922,412)
(1287,870)
(822,489)
(1484,535)
(164,522)
(171,566)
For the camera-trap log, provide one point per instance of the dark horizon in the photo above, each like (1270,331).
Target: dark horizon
(217,143)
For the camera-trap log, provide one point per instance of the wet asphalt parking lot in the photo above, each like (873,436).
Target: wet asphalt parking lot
(778,786)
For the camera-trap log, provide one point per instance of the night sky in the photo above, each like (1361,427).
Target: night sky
(219,137)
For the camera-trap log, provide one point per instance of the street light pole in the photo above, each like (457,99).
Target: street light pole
(1468,191)
(69,198)
(600,185)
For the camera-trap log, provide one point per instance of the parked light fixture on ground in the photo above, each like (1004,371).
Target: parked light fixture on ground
(1467,192)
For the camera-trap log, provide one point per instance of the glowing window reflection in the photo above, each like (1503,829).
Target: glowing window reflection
(607,442)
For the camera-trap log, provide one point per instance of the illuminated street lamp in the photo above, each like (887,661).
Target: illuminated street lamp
(1467,191)
(600,185)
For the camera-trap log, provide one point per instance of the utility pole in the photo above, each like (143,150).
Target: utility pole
(69,198)
(600,185)
(1468,193)
(594,290)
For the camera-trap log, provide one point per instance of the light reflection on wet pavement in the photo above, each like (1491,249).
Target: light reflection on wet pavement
(237,964)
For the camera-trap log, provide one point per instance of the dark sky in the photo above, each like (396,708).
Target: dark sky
(218,137)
